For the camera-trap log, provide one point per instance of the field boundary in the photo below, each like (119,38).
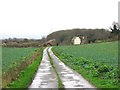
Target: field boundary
(13,73)
(27,75)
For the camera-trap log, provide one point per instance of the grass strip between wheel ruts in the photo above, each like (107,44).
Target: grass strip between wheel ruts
(60,84)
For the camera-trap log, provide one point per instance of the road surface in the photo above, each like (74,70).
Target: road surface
(47,78)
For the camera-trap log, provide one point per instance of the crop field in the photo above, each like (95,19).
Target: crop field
(96,62)
(26,75)
(11,57)
(14,60)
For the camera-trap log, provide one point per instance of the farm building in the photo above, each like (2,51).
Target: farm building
(78,40)
(50,42)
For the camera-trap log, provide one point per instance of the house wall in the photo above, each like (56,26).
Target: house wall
(77,40)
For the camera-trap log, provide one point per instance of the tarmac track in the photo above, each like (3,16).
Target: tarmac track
(46,77)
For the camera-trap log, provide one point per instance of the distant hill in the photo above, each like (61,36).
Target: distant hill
(62,37)
(65,36)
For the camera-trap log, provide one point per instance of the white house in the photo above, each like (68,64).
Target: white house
(76,40)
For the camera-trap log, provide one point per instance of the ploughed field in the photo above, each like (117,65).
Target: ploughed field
(96,62)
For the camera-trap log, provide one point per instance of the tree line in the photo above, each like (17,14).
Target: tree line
(64,37)
(92,35)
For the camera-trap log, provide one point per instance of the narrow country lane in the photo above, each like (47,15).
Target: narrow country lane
(70,78)
(45,76)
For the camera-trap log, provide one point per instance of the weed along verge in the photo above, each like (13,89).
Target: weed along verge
(60,84)
(27,69)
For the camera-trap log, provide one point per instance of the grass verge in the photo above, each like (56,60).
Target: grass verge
(13,63)
(26,75)
(60,85)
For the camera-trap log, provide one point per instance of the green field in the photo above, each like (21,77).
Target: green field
(17,62)
(11,57)
(96,62)
(26,75)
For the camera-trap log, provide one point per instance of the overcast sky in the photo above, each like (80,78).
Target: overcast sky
(37,18)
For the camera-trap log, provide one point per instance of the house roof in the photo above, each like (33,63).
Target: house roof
(75,38)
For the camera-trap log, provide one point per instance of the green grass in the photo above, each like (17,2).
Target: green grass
(26,75)
(102,52)
(12,57)
(96,62)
